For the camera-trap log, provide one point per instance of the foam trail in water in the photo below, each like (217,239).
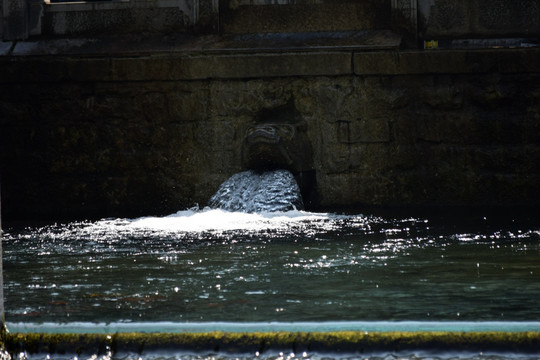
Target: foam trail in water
(203,223)
(248,201)
(221,220)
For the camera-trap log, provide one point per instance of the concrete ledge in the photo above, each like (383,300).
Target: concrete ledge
(134,45)
(448,62)
(198,65)
(232,66)
(166,68)
(350,342)
(185,57)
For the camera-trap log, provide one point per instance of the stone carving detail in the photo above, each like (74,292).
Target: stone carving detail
(278,139)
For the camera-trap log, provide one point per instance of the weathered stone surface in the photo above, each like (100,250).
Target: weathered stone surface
(14,14)
(313,16)
(363,130)
(479,18)
(170,68)
(447,62)
(66,19)
(231,67)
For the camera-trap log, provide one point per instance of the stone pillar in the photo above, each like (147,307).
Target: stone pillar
(15,20)
(2,313)
(405,20)
(206,16)
(35,13)
(1,21)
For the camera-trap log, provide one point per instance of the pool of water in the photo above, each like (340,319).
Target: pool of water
(200,270)
(217,266)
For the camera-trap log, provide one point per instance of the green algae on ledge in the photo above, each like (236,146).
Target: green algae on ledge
(230,342)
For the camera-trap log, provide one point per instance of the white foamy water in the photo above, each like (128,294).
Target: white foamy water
(218,221)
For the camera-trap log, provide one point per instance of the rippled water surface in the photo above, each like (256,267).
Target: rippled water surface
(201,266)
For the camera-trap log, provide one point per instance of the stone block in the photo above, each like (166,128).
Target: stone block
(507,18)
(333,158)
(35,14)
(189,105)
(245,98)
(112,18)
(366,188)
(14,20)
(479,18)
(363,130)
(240,66)
(217,135)
(442,97)
(301,17)
(332,99)
(405,19)
(448,62)
(207,16)
(371,158)
(511,160)
(410,63)
(450,18)
(368,158)
(435,127)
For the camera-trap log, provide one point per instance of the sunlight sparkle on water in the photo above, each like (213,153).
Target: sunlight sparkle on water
(206,223)
(213,265)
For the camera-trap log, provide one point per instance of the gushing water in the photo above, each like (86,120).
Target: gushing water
(251,192)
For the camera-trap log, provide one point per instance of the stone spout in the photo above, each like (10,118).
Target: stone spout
(268,147)
(281,145)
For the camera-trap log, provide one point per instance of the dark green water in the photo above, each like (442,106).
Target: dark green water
(211,266)
(201,267)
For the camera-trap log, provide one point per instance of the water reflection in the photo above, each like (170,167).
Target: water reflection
(212,265)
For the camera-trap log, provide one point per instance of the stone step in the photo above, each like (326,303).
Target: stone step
(277,43)
(310,41)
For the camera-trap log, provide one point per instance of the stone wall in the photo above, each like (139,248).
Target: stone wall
(424,19)
(124,136)
(32,18)
(1,22)
(440,19)
(115,17)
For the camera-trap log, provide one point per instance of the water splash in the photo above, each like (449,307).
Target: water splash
(254,192)
(192,224)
